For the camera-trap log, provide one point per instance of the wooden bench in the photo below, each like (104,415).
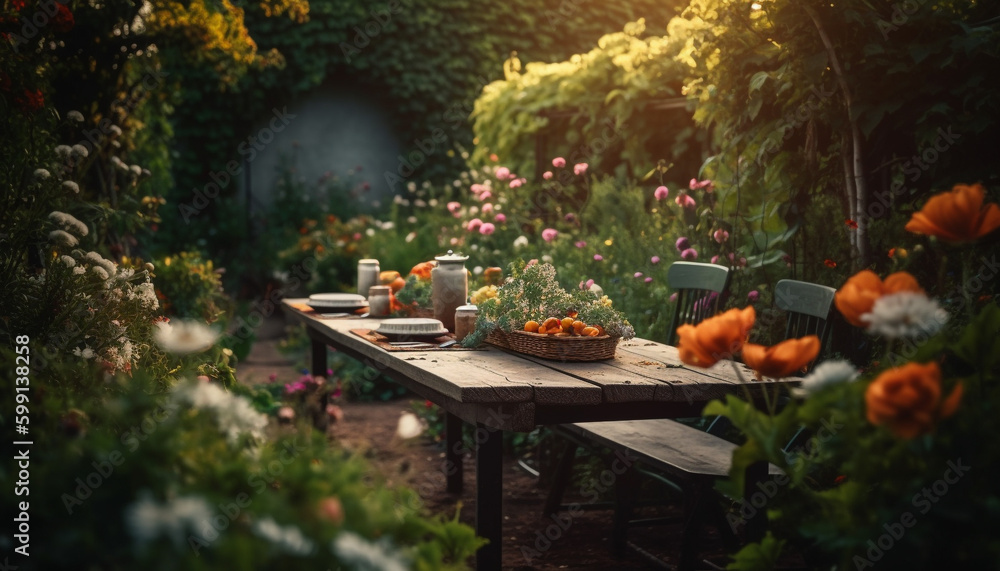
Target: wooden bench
(692,459)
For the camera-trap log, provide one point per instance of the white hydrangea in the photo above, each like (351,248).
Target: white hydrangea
(826,374)
(68,260)
(80,151)
(176,519)
(288,538)
(63,151)
(234,414)
(362,554)
(75,116)
(905,314)
(71,186)
(42,174)
(520,242)
(79,271)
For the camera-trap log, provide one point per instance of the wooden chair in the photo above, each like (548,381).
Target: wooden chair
(700,291)
(808,307)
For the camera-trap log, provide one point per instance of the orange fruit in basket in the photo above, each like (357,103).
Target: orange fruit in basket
(567,324)
(397,284)
(531,326)
(578,326)
(589,332)
(552,323)
(600,330)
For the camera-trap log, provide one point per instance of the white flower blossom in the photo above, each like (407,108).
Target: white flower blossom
(176,519)
(42,174)
(72,186)
(79,271)
(182,337)
(110,267)
(520,242)
(410,237)
(63,151)
(362,554)
(86,352)
(411,186)
(116,131)
(69,222)
(478,270)
(234,414)
(75,116)
(905,314)
(68,260)
(80,151)
(826,374)
(100,272)
(409,426)
(432,203)
(289,538)
(370,232)
(63,238)
(136,170)
(547,259)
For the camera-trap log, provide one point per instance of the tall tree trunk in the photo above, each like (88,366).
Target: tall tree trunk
(857,159)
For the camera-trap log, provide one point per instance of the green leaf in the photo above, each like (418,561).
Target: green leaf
(762,556)
(757,80)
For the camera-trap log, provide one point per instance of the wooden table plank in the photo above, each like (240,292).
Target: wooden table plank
(496,377)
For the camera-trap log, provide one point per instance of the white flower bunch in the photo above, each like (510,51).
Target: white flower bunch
(288,538)
(905,314)
(176,519)
(234,414)
(356,550)
(69,223)
(183,337)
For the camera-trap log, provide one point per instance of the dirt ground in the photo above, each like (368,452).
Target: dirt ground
(369,429)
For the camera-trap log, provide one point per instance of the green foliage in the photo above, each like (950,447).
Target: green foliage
(852,479)
(190,286)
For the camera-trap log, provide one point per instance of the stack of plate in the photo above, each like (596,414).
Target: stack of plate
(411,328)
(340,302)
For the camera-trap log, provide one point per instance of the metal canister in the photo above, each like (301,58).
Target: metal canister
(378,301)
(368,271)
(449,287)
(465,321)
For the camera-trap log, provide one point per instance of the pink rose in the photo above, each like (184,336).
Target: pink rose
(559,162)
(500,218)
(502,173)
(547,175)
(474,225)
(454,207)
(549,234)
(661,193)
(579,168)
(487,228)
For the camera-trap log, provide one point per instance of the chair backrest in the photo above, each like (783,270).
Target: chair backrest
(808,306)
(700,288)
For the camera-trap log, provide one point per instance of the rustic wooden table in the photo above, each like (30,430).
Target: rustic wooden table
(495,391)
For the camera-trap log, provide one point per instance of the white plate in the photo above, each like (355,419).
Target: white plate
(323,301)
(338,300)
(413,326)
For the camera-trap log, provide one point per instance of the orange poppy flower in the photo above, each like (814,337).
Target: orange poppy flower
(715,338)
(423,270)
(859,293)
(781,360)
(851,224)
(908,399)
(958,215)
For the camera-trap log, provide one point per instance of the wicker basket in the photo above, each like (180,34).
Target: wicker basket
(556,348)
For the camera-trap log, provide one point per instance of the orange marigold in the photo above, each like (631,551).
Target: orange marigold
(958,215)
(781,360)
(908,399)
(715,338)
(859,293)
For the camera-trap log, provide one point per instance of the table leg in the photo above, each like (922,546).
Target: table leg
(489,498)
(318,357)
(454,453)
